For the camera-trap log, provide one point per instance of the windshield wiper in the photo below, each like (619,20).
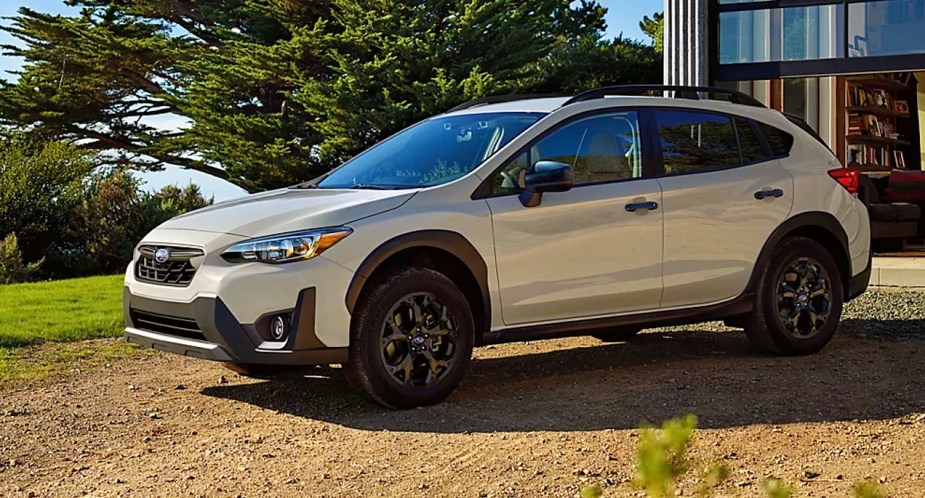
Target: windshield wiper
(367,186)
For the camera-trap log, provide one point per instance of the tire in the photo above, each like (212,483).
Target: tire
(800,272)
(617,334)
(412,365)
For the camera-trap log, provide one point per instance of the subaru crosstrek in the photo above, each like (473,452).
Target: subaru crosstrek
(511,219)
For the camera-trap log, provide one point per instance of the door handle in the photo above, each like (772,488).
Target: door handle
(636,206)
(763,194)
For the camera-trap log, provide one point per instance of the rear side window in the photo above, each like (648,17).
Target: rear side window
(695,142)
(752,151)
(780,141)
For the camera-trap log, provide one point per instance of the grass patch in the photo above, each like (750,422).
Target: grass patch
(35,363)
(61,310)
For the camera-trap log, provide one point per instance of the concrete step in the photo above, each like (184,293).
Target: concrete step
(898,272)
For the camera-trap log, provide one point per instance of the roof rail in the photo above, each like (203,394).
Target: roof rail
(680,91)
(500,99)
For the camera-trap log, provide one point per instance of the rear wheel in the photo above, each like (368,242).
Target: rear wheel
(799,300)
(411,339)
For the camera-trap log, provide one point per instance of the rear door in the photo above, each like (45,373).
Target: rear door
(723,193)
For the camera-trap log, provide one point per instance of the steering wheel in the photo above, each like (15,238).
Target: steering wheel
(510,179)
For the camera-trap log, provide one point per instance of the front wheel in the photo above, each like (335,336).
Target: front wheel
(799,300)
(411,339)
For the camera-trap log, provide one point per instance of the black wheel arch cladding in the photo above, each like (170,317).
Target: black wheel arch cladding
(816,225)
(441,241)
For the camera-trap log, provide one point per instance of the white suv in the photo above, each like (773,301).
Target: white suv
(510,219)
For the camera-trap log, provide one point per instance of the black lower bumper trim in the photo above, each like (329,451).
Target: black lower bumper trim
(223,337)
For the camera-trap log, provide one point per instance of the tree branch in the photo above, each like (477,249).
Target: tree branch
(104,142)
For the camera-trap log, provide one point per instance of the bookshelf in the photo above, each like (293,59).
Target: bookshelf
(879,124)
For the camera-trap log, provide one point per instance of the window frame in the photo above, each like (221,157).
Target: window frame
(484,190)
(765,146)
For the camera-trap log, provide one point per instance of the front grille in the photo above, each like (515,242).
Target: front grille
(170,325)
(176,270)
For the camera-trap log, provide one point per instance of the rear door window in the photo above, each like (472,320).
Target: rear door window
(694,142)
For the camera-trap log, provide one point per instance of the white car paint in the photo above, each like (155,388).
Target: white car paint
(577,255)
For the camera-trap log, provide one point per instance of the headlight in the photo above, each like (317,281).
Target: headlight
(285,247)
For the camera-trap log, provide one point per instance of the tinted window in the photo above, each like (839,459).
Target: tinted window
(602,148)
(780,141)
(749,142)
(693,142)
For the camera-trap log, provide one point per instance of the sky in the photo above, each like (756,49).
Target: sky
(623,17)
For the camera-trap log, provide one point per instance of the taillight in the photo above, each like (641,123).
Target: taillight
(847,177)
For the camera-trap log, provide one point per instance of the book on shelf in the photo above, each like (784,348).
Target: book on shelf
(877,113)
(870,125)
(874,98)
(873,155)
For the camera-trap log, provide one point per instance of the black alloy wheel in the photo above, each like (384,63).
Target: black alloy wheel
(804,298)
(411,338)
(798,299)
(419,341)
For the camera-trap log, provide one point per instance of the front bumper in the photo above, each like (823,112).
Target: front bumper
(205,328)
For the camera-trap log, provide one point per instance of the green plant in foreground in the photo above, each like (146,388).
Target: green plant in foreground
(592,491)
(867,489)
(661,460)
(776,488)
(661,455)
(713,476)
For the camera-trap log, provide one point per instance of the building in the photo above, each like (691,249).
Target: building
(854,70)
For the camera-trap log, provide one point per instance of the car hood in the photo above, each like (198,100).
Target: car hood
(289,210)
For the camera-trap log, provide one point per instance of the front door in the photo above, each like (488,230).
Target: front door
(594,250)
(724,193)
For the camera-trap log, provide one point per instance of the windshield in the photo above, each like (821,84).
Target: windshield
(432,152)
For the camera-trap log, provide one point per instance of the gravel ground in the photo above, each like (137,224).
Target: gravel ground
(531,419)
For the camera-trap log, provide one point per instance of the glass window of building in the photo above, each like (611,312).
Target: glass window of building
(782,34)
(890,27)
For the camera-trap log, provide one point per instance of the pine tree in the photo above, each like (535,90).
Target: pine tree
(654,28)
(273,92)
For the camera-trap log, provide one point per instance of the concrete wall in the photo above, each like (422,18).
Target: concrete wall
(686,42)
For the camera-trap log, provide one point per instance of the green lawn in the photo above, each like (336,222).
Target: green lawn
(62,310)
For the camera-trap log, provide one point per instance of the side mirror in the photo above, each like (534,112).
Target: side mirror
(547,176)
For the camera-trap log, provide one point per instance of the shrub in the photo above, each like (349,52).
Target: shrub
(661,456)
(12,268)
(40,185)
(115,215)
(172,201)
(661,460)
(71,220)
(867,489)
(776,488)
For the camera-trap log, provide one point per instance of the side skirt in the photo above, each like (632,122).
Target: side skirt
(739,306)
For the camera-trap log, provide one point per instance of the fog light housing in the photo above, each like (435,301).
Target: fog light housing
(279,327)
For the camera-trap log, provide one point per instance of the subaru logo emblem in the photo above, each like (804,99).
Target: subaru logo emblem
(162,255)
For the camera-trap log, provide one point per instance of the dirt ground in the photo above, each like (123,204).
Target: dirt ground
(534,419)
